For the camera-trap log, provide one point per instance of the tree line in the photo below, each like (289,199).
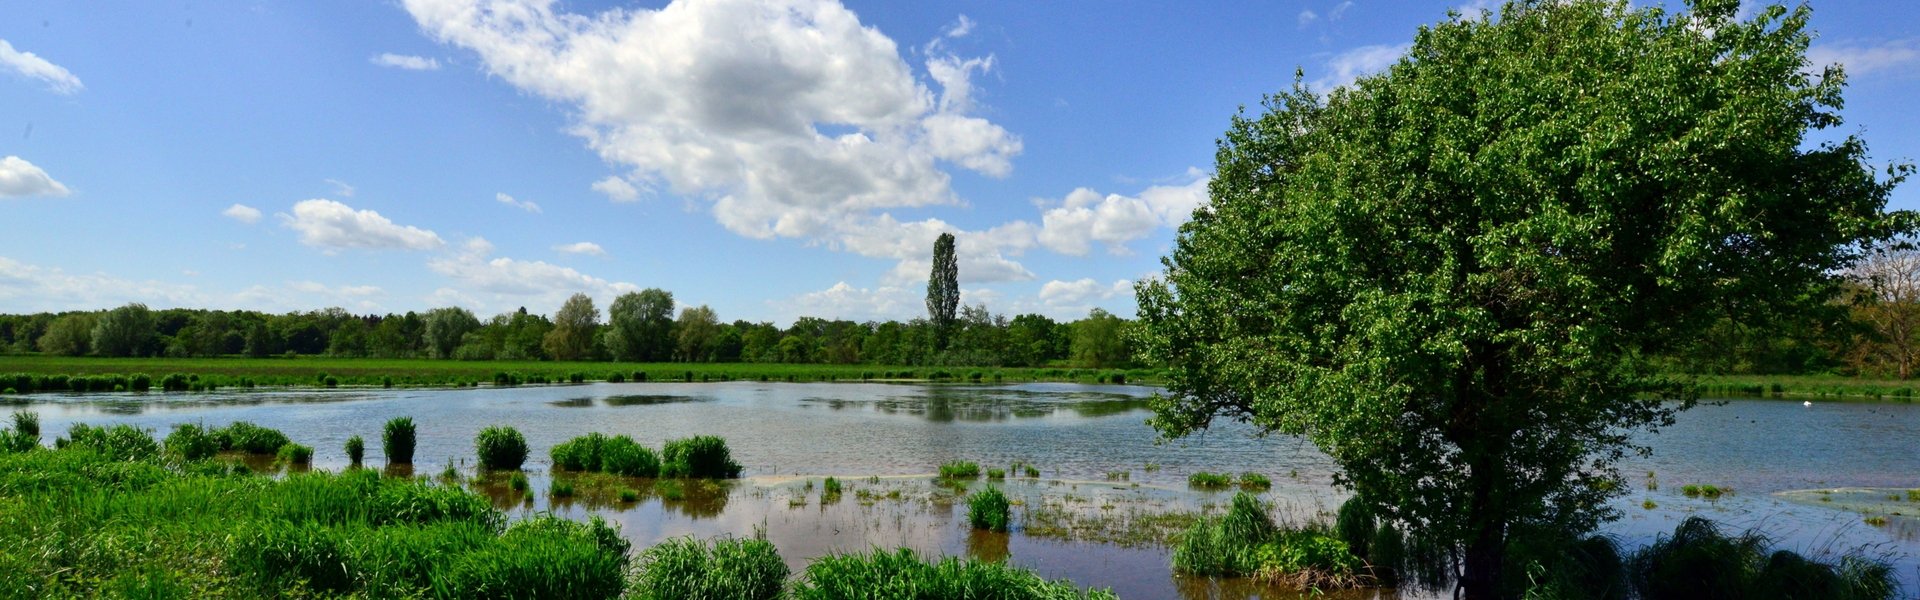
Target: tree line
(643,326)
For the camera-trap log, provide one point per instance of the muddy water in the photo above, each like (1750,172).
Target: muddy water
(1099,465)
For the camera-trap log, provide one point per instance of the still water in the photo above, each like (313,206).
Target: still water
(1098,463)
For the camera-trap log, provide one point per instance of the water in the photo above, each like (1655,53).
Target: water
(1082,438)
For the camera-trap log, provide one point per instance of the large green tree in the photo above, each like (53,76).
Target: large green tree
(640,326)
(943,290)
(1445,276)
(574,326)
(125,331)
(445,327)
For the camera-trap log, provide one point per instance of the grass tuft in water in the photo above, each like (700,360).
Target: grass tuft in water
(295,455)
(960,469)
(560,488)
(397,440)
(1246,543)
(1699,561)
(1207,480)
(988,509)
(1707,491)
(698,457)
(356,450)
(746,569)
(500,448)
(1255,482)
(902,574)
(191,442)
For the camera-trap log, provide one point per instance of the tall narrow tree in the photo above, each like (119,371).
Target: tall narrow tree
(943,290)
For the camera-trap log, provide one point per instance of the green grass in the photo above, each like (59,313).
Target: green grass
(500,448)
(295,454)
(1255,482)
(86,523)
(1207,480)
(1838,387)
(356,450)
(313,371)
(960,469)
(678,568)
(698,457)
(988,509)
(1246,543)
(901,574)
(397,439)
(1699,561)
(1707,491)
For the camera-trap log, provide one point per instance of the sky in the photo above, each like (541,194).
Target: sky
(768,158)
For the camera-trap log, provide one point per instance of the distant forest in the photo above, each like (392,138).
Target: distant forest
(643,326)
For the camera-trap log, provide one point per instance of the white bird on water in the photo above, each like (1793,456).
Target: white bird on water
(1806,403)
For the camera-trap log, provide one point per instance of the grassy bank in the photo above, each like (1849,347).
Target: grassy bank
(42,373)
(1813,387)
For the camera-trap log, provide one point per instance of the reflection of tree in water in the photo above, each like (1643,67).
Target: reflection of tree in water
(646,400)
(695,498)
(946,404)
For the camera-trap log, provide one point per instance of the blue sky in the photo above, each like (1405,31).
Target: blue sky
(769,158)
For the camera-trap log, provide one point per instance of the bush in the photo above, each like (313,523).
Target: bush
(901,574)
(356,450)
(1204,479)
(397,440)
(702,457)
(140,382)
(988,509)
(190,442)
(727,568)
(500,448)
(1698,561)
(960,469)
(241,436)
(1355,525)
(174,382)
(295,454)
(617,378)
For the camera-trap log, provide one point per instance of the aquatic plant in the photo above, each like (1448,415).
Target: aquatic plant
(996,474)
(1204,479)
(988,509)
(1246,543)
(294,454)
(620,455)
(560,488)
(119,442)
(397,440)
(1255,482)
(830,491)
(960,469)
(356,450)
(1707,491)
(702,457)
(1699,561)
(25,434)
(747,569)
(242,436)
(500,448)
(902,574)
(190,441)
(518,482)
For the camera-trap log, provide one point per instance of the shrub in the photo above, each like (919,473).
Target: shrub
(397,440)
(901,574)
(577,377)
(960,469)
(988,509)
(356,450)
(1204,479)
(295,454)
(241,436)
(1698,561)
(501,448)
(27,423)
(1355,525)
(140,382)
(617,378)
(190,442)
(748,569)
(703,457)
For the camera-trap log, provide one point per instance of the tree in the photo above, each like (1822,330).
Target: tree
(1446,276)
(125,331)
(445,328)
(573,329)
(69,335)
(1890,305)
(1099,341)
(696,332)
(943,290)
(641,326)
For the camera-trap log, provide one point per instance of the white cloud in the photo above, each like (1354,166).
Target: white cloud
(341,188)
(242,213)
(1346,67)
(333,226)
(983,256)
(843,301)
(526,205)
(582,248)
(20,178)
(959,29)
(1339,10)
(1075,298)
(26,288)
(790,116)
(1307,17)
(617,189)
(310,295)
(403,61)
(518,282)
(31,66)
(1085,217)
(1898,57)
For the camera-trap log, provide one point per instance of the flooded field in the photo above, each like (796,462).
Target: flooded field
(1106,495)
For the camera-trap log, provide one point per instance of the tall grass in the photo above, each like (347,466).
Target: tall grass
(960,469)
(701,457)
(500,448)
(618,455)
(678,568)
(397,440)
(24,435)
(242,436)
(1246,543)
(902,574)
(988,509)
(356,450)
(191,442)
(1699,561)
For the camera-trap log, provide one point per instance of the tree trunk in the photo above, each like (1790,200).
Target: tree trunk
(1480,572)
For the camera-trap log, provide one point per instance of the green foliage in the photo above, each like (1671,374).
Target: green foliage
(618,455)
(1356,525)
(640,326)
(397,440)
(191,442)
(703,457)
(685,569)
(119,442)
(1704,490)
(242,436)
(1255,482)
(1203,479)
(501,448)
(295,454)
(560,488)
(1246,543)
(125,331)
(573,330)
(988,509)
(902,575)
(356,450)
(1698,561)
(960,469)
(1447,276)
(943,290)
(27,423)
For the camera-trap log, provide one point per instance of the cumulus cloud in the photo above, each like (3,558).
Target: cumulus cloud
(1347,67)
(332,226)
(1081,295)
(526,205)
(581,248)
(31,66)
(617,189)
(1861,60)
(843,301)
(790,116)
(517,282)
(1085,217)
(26,288)
(959,29)
(308,295)
(19,178)
(340,188)
(1307,17)
(410,63)
(242,213)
